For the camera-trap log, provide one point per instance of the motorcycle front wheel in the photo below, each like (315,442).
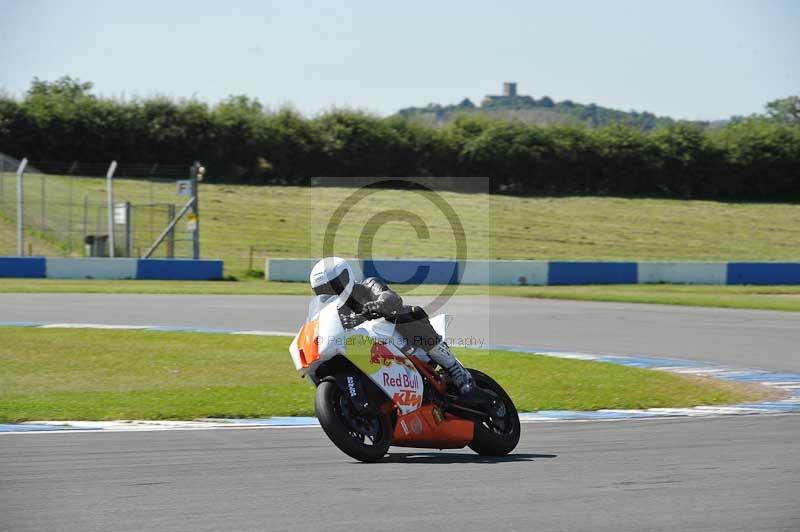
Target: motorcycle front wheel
(363,436)
(500,434)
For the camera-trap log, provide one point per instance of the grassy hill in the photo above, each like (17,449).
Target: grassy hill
(278,221)
(543,111)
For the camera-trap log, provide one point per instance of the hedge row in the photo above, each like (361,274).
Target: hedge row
(239,141)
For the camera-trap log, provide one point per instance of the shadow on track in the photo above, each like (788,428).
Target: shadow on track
(458,458)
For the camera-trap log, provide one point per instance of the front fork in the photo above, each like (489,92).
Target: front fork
(350,384)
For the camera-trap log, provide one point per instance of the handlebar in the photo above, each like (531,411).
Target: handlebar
(376,315)
(358,318)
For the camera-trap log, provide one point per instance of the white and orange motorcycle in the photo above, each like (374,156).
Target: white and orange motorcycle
(372,391)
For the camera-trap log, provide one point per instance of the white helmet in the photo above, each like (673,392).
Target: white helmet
(332,276)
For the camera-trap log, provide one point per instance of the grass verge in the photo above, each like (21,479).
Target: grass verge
(786,298)
(279,221)
(101,375)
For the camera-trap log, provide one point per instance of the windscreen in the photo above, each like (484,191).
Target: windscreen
(317,303)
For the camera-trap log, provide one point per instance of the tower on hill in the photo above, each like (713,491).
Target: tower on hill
(510,89)
(509,94)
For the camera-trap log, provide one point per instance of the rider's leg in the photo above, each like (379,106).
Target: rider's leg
(442,355)
(418,331)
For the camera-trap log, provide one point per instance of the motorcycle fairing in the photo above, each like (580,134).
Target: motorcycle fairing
(388,368)
(429,427)
(319,335)
(307,345)
(372,347)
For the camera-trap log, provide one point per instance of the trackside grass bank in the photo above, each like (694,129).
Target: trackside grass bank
(282,221)
(106,374)
(785,298)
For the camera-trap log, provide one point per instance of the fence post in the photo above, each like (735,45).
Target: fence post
(20,208)
(171,235)
(128,230)
(69,219)
(196,172)
(97,218)
(85,216)
(170,227)
(110,186)
(43,206)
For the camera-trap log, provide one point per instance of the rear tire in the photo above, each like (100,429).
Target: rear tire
(365,437)
(500,435)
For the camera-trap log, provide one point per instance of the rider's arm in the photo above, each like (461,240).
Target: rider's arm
(384,299)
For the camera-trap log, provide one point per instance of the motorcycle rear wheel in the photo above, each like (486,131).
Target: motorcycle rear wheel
(500,435)
(365,437)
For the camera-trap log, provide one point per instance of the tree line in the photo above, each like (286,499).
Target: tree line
(238,140)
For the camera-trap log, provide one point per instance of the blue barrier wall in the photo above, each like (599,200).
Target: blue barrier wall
(592,273)
(25,267)
(412,271)
(763,273)
(179,269)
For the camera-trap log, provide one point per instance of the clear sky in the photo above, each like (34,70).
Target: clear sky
(686,59)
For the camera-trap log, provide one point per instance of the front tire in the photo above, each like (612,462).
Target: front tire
(500,435)
(365,437)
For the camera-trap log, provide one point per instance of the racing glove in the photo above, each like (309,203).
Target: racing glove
(383,306)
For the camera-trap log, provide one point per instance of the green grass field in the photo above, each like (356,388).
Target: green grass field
(8,240)
(284,222)
(785,298)
(281,221)
(56,374)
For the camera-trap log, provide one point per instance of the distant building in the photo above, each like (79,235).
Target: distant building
(509,91)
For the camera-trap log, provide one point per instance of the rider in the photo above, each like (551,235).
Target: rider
(334,276)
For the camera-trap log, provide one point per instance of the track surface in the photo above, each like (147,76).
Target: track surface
(723,474)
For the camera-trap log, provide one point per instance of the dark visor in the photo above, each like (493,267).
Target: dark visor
(334,287)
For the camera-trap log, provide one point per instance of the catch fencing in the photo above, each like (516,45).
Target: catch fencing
(65,209)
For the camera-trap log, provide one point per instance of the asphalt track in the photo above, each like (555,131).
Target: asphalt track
(736,473)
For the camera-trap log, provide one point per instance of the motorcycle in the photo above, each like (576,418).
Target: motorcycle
(374,391)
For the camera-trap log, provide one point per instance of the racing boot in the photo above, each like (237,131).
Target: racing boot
(468,392)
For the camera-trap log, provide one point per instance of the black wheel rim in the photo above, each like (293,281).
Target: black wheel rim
(365,430)
(501,423)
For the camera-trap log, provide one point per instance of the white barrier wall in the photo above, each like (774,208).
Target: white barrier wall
(683,272)
(288,269)
(299,270)
(506,272)
(65,268)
